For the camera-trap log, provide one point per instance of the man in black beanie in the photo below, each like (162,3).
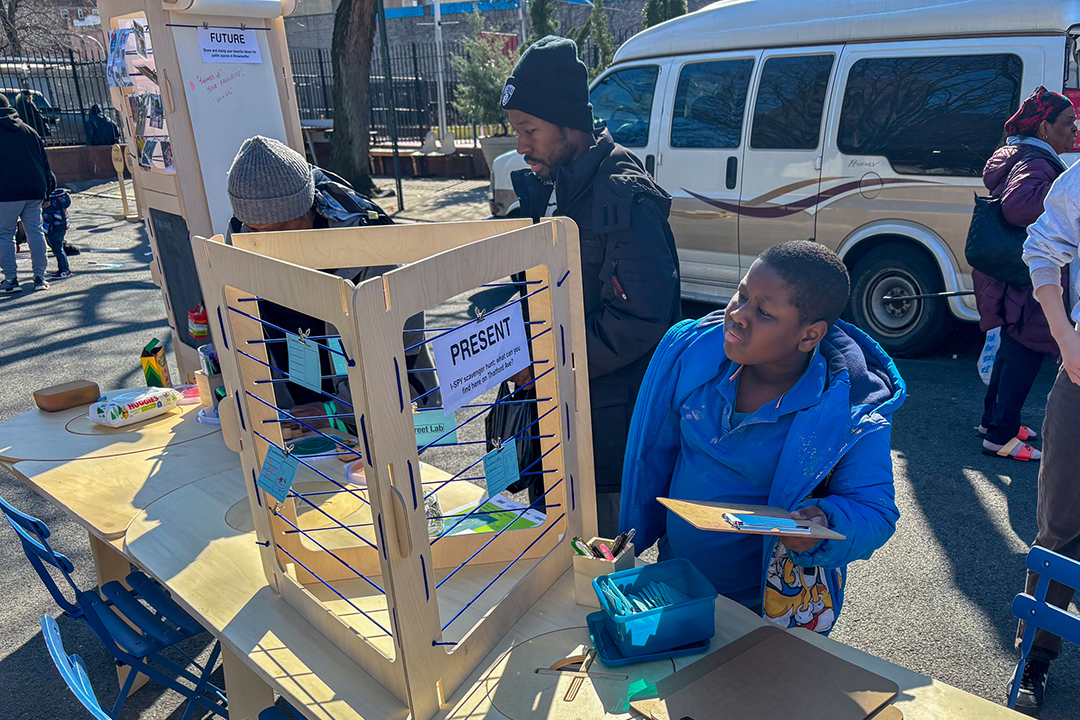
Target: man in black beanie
(630,270)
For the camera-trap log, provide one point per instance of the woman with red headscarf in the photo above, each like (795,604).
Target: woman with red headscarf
(1020,173)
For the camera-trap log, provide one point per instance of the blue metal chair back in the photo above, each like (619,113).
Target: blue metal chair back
(72,669)
(132,632)
(1037,613)
(34,536)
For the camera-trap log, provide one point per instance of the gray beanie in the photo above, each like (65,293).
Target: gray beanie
(269,183)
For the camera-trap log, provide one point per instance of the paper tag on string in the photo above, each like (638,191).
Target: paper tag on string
(277,474)
(304,366)
(501,468)
(341,365)
(431,425)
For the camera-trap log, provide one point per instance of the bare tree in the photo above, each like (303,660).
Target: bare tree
(351,50)
(31,26)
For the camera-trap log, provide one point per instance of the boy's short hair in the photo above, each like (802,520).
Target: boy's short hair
(816,278)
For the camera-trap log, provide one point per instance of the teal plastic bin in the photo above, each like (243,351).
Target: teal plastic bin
(661,629)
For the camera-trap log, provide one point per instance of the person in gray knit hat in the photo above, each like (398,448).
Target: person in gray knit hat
(270,185)
(273,188)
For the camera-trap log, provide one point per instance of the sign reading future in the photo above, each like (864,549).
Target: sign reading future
(225,45)
(479,355)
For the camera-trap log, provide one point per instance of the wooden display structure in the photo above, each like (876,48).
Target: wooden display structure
(398,632)
(208,108)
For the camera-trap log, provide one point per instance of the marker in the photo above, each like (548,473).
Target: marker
(577,548)
(607,553)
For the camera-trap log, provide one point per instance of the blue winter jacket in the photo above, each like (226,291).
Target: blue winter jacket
(837,455)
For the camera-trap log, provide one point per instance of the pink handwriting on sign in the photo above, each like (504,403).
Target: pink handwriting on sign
(191,84)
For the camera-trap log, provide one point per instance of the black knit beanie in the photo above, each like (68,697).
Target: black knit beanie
(549,82)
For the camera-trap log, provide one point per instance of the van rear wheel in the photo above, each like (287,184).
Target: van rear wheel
(904,328)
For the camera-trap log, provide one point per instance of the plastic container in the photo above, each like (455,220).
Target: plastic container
(609,654)
(354,473)
(662,629)
(313,448)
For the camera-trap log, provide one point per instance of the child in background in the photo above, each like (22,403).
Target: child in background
(55,220)
(773,401)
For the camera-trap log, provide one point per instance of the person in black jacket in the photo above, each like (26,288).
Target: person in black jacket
(28,111)
(25,182)
(630,269)
(100,130)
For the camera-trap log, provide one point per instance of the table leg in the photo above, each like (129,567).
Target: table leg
(110,564)
(248,693)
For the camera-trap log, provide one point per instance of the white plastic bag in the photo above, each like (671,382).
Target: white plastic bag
(134,406)
(989,352)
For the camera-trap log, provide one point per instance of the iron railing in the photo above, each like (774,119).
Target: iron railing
(70,82)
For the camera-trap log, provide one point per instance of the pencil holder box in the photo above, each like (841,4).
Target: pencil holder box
(588,568)
(663,628)
(207,385)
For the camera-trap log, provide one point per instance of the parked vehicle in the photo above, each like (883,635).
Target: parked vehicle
(49,114)
(863,125)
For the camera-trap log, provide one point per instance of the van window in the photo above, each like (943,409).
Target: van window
(623,100)
(709,102)
(930,115)
(790,100)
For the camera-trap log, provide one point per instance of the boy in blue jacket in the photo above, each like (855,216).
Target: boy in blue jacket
(774,401)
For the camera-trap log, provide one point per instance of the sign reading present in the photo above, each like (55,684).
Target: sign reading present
(479,355)
(226,45)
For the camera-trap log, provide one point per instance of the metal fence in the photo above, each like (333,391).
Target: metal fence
(414,89)
(69,85)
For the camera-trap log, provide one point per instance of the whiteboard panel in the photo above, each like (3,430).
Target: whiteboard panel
(228,103)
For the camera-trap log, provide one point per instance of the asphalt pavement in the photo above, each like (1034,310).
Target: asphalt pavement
(935,599)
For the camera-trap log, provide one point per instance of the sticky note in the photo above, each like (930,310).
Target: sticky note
(304,362)
(278,471)
(501,468)
(431,425)
(341,365)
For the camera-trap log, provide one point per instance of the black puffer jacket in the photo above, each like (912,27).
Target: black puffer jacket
(630,277)
(26,174)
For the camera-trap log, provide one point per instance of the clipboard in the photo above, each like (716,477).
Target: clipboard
(710,516)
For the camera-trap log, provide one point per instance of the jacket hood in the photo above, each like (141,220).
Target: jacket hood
(9,119)
(1000,165)
(608,168)
(1005,158)
(852,357)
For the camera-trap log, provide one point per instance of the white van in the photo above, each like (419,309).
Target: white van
(864,125)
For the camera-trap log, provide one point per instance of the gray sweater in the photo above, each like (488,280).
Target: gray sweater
(1053,239)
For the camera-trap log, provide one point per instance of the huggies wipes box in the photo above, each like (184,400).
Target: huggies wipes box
(133,406)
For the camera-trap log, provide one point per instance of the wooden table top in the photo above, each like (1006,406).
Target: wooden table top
(71,435)
(214,570)
(101,477)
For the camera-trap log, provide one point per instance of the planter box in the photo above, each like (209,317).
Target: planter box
(75,163)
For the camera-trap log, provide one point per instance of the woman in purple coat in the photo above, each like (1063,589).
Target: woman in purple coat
(1020,173)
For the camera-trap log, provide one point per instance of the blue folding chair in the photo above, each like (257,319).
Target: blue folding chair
(134,625)
(72,669)
(1037,613)
(274,713)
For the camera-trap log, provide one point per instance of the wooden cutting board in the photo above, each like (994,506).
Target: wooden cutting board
(777,677)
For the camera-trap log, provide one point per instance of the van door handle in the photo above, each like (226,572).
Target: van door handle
(732,172)
(650,164)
